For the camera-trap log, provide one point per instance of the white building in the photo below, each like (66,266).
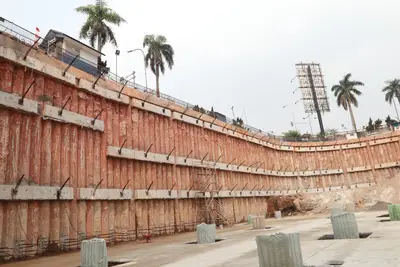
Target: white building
(66,48)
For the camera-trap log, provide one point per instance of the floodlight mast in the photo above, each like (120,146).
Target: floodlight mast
(313,90)
(315,100)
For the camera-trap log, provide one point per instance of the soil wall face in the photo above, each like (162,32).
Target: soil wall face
(141,148)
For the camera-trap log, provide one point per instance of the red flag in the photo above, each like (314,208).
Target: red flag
(37,33)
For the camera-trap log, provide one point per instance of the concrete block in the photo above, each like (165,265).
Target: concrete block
(188,119)
(345,226)
(359,169)
(216,128)
(94,253)
(108,94)
(354,145)
(143,194)
(279,250)
(386,165)
(26,192)
(223,193)
(161,194)
(140,104)
(206,233)
(8,100)
(105,194)
(394,212)
(383,141)
(250,219)
(328,148)
(52,113)
(362,185)
(277,214)
(258,222)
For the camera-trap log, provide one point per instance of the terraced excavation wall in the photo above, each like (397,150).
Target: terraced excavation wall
(131,162)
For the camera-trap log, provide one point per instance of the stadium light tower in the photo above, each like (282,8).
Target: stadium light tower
(313,90)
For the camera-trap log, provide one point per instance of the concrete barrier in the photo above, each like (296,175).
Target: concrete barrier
(279,250)
(94,253)
(345,226)
(206,233)
(394,212)
(258,222)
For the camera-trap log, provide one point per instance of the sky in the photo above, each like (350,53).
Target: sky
(243,53)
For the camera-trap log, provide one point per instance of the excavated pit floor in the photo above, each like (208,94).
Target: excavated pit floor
(239,248)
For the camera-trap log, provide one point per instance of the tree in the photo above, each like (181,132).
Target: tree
(158,53)
(392,90)
(370,126)
(292,134)
(331,131)
(345,93)
(377,124)
(389,121)
(96,28)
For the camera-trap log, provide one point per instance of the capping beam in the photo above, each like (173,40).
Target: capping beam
(52,113)
(104,194)
(11,101)
(26,192)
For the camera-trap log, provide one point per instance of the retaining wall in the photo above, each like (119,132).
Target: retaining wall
(132,160)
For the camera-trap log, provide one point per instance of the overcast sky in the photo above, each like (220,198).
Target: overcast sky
(243,53)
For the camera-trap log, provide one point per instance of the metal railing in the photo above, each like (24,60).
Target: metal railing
(28,38)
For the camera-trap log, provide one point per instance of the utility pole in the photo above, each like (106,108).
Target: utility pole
(315,100)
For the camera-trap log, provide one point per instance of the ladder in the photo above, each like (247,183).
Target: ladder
(206,185)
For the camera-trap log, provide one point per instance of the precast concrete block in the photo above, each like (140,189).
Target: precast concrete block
(394,212)
(282,249)
(13,101)
(105,194)
(278,214)
(258,222)
(34,192)
(345,226)
(206,233)
(53,113)
(250,219)
(94,253)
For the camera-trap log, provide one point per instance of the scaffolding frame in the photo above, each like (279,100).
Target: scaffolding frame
(205,183)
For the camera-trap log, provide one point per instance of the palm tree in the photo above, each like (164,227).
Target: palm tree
(96,27)
(392,90)
(158,53)
(345,93)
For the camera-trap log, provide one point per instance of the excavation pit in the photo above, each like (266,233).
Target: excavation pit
(383,216)
(330,237)
(195,242)
(266,228)
(116,263)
